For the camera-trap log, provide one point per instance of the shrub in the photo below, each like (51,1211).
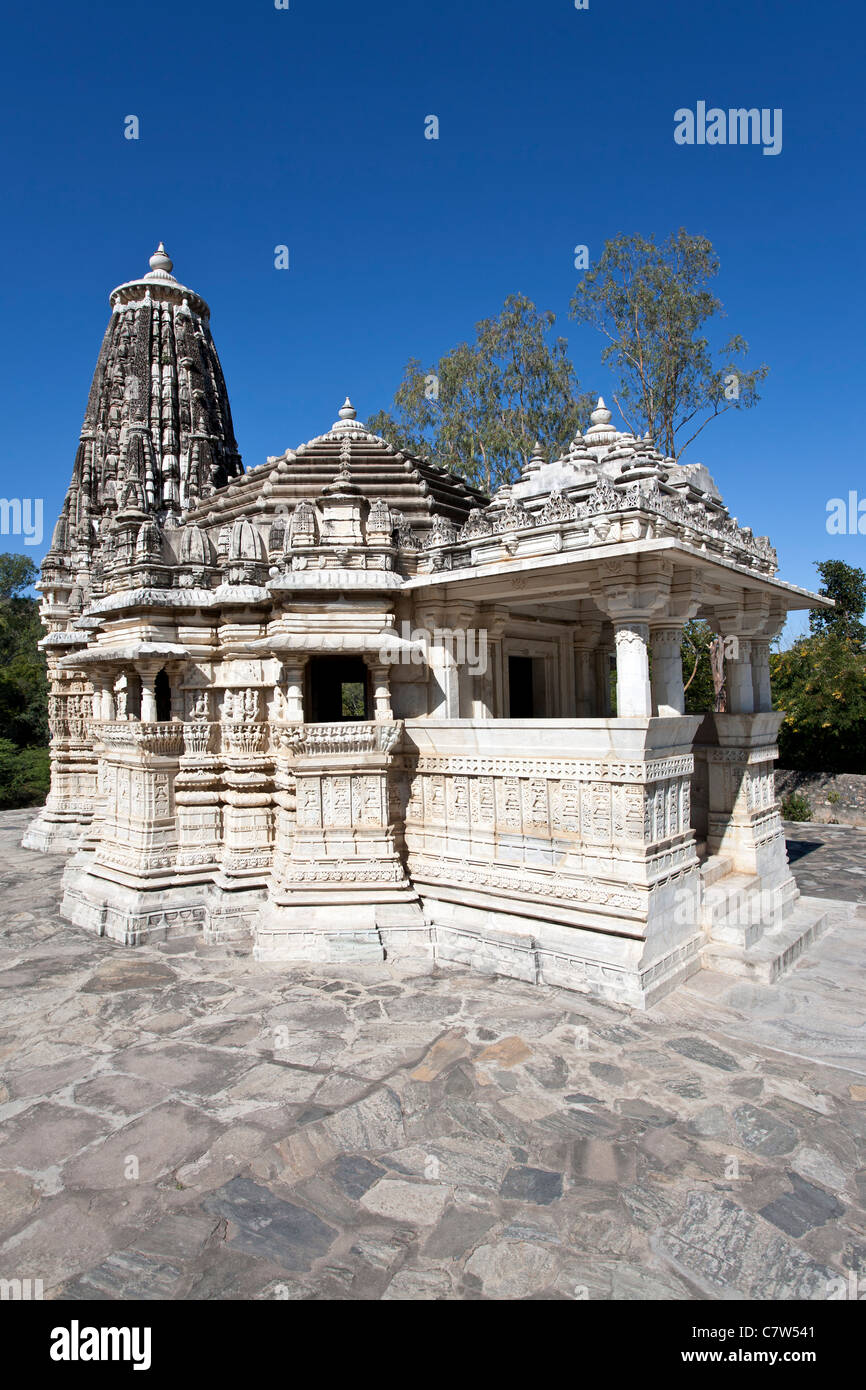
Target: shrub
(24,775)
(820,683)
(796,806)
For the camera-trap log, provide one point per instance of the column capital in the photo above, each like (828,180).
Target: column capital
(630,630)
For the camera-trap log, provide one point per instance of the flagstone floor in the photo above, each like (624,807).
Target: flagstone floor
(183,1123)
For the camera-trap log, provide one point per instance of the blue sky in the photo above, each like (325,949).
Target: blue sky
(305,127)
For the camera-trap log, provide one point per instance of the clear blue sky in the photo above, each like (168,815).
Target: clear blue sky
(306,127)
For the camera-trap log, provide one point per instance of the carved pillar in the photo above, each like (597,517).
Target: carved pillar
(341,892)
(445,682)
(490,683)
(738,669)
(293,672)
(247,783)
(603,706)
(380,677)
(668,696)
(761,692)
(633,694)
(567,687)
(148,676)
(743,817)
(103,697)
(586,679)
(174,685)
(108,712)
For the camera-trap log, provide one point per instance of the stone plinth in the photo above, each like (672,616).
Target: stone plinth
(558,851)
(342,891)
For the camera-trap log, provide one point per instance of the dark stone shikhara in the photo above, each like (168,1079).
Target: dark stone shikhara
(245,742)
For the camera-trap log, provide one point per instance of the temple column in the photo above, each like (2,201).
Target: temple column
(174,677)
(103,697)
(148,676)
(761,677)
(633,693)
(490,683)
(585,681)
(380,677)
(668,696)
(738,671)
(603,704)
(567,683)
(293,672)
(445,694)
(586,678)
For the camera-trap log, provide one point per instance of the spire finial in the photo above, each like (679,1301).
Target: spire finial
(601,415)
(536,459)
(347,410)
(160,260)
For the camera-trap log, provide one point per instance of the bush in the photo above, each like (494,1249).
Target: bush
(24,775)
(820,683)
(796,806)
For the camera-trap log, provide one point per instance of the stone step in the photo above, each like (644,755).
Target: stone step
(776,950)
(716,867)
(736,909)
(724,896)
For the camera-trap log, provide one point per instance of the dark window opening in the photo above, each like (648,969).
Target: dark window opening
(162,691)
(338,689)
(521,687)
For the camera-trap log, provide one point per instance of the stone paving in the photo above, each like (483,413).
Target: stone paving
(828,860)
(185,1123)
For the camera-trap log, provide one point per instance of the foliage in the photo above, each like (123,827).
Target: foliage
(480,409)
(23,688)
(23,681)
(820,682)
(796,806)
(652,303)
(846,585)
(17,573)
(24,775)
(700,689)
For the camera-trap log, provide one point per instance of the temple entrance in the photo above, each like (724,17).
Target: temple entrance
(162,691)
(526,687)
(338,689)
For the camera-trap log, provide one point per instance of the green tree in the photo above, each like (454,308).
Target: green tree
(24,775)
(480,409)
(820,683)
(652,304)
(17,573)
(698,683)
(23,681)
(846,585)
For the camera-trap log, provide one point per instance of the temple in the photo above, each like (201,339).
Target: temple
(344,707)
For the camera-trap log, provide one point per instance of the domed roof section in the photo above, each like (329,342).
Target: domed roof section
(158,418)
(348,457)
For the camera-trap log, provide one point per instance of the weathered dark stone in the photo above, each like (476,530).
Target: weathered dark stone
(263,1224)
(354,1175)
(762,1132)
(531,1185)
(803,1208)
(699,1050)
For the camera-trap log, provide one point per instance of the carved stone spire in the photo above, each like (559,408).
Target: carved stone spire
(157,434)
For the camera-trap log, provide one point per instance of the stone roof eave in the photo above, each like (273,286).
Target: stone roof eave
(574,561)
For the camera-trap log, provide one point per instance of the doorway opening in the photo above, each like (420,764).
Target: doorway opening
(526,687)
(162,691)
